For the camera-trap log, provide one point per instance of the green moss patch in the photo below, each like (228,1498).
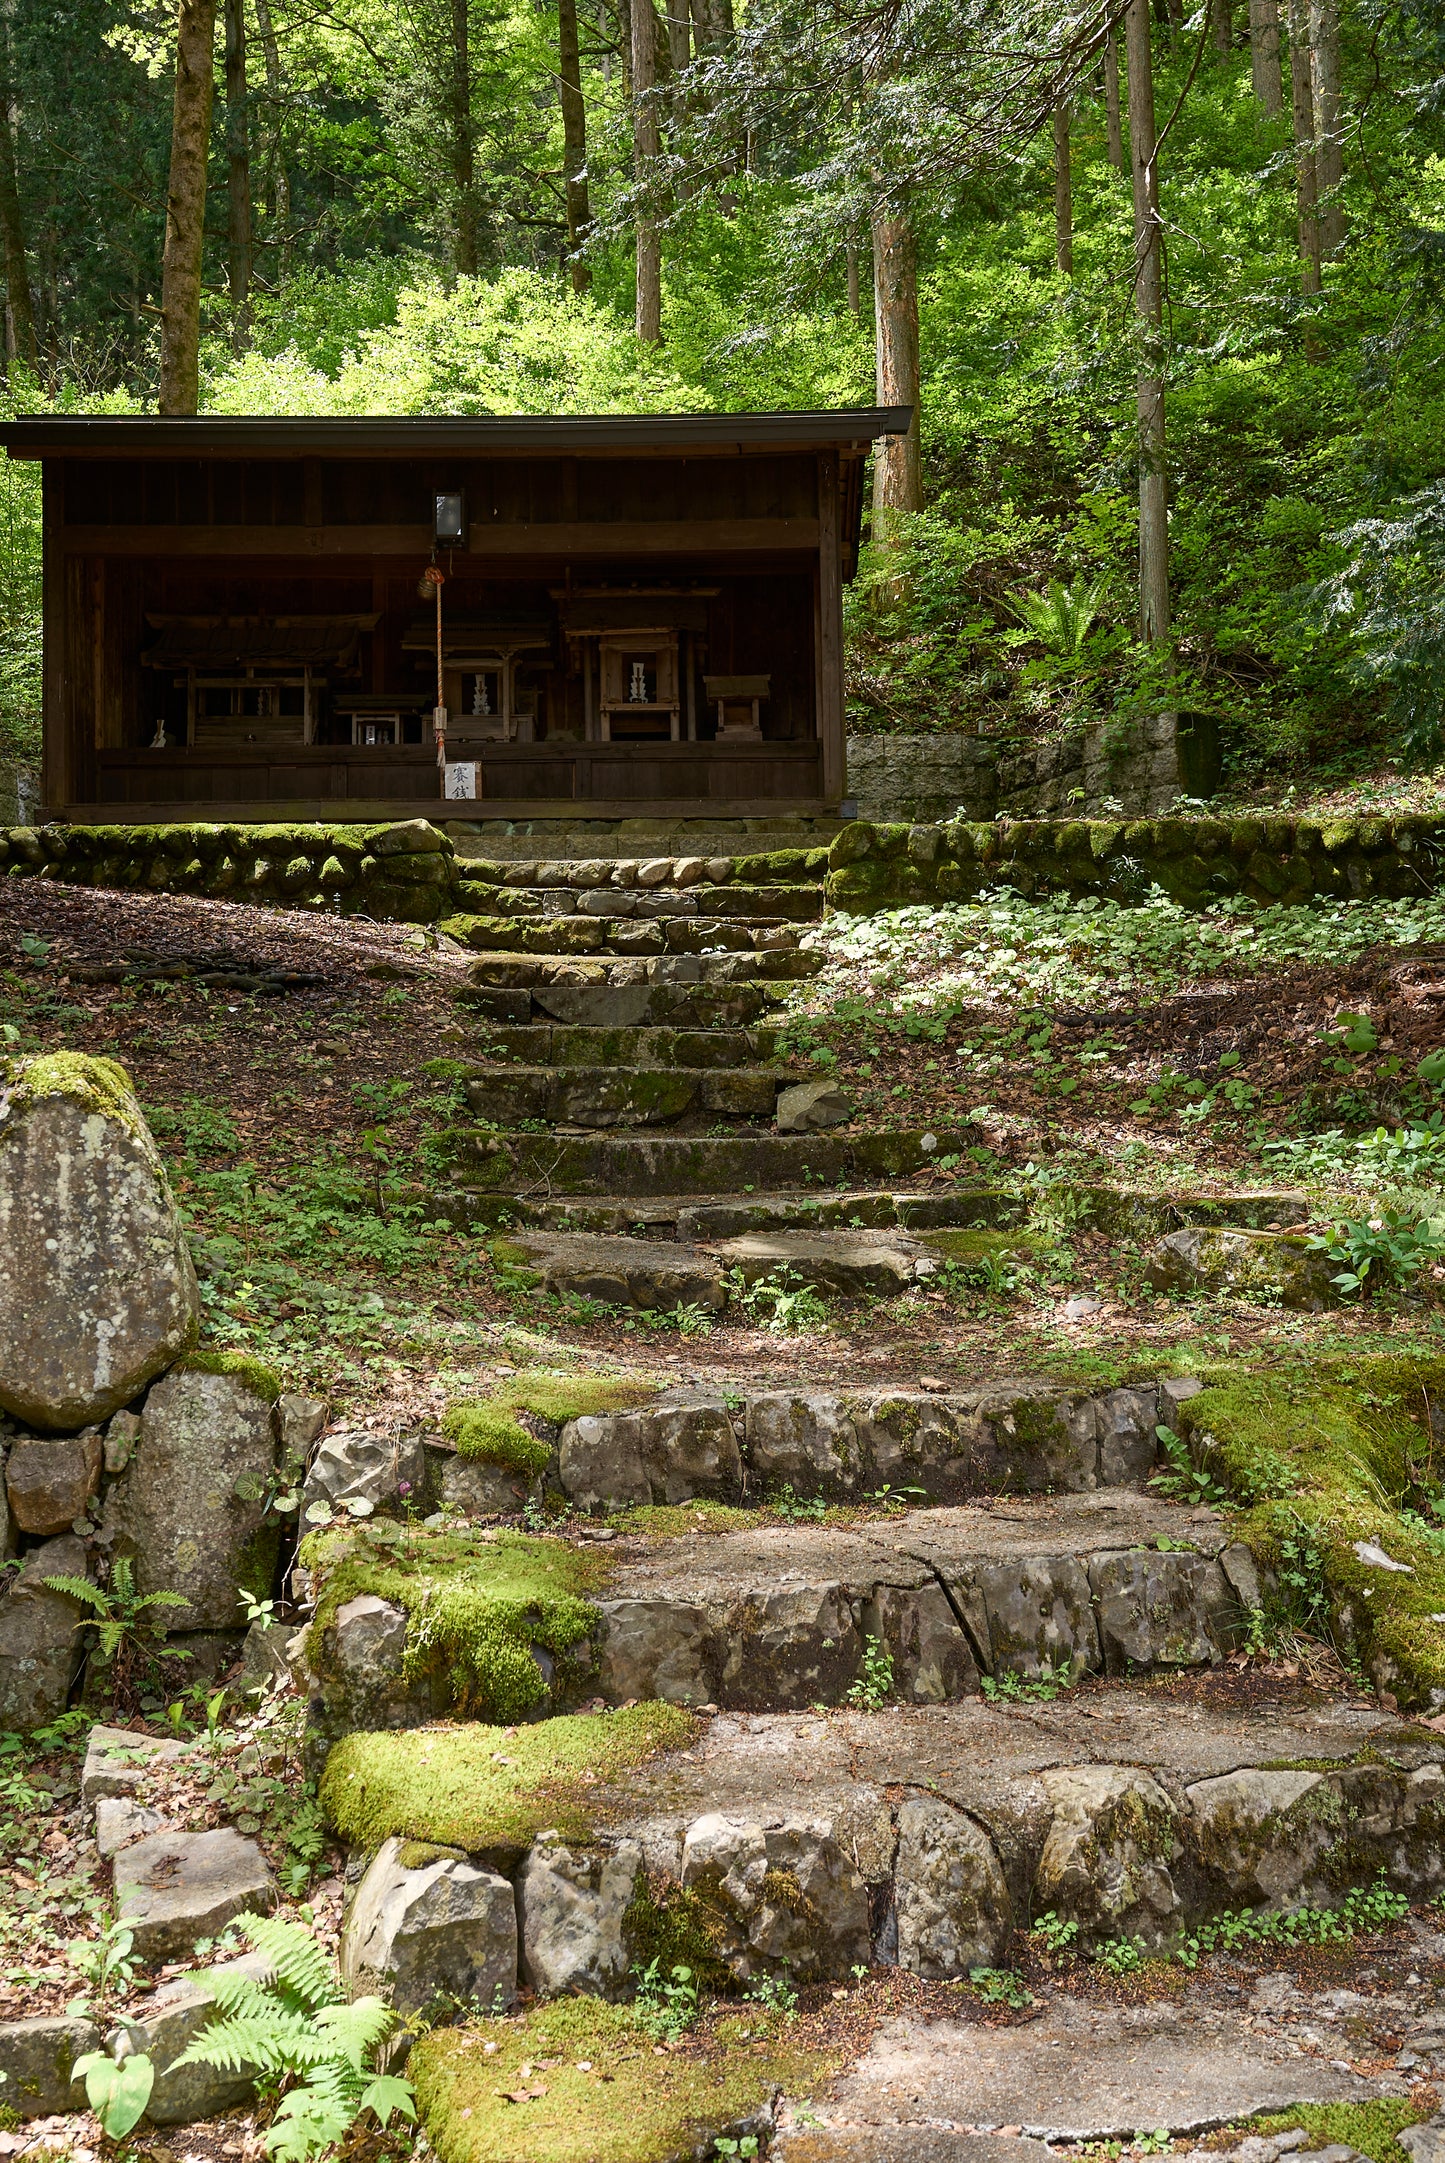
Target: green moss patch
(475,1606)
(679,1520)
(490,1789)
(1370,2127)
(632,2106)
(487,1429)
(100,1085)
(975,1245)
(261,1380)
(1325,1458)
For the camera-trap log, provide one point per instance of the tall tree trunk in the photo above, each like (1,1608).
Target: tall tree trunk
(238,177)
(1063,192)
(21,306)
(897,460)
(280,179)
(850,266)
(465,252)
(574,143)
(1329,151)
(1114,119)
(186,208)
(679,34)
(1302,106)
(1221,25)
(1149,309)
(646,144)
(1264,65)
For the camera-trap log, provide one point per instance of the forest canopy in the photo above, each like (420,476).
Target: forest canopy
(1129,261)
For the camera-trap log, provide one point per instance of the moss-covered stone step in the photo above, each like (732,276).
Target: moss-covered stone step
(615,902)
(623,1096)
(562,1045)
(767,1617)
(592,1002)
(592,935)
(918,1836)
(623,1270)
(796,860)
(627,972)
(514,1163)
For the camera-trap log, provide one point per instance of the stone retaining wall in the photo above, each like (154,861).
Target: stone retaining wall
(1140,768)
(1196,861)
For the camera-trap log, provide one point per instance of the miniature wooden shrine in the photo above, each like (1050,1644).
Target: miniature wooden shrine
(638,615)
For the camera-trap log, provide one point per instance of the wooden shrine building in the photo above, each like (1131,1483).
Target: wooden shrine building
(638,615)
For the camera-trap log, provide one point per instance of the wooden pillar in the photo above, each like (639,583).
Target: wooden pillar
(830,630)
(56,762)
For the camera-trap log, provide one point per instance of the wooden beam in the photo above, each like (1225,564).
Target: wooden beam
(355,810)
(629,537)
(830,630)
(57,765)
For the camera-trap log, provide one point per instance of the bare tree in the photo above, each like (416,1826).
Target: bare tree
(1329,144)
(646,145)
(1302,108)
(21,306)
(186,208)
(1113,118)
(1063,192)
(239,253)
(1264,55)
(1149,311)
(574,143)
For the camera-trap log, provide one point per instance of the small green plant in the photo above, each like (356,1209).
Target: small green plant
(1010,1689)
(105,1966)
(126,1621)
(1394,1247)
(795,1509)
(1058,1936)
(1184,1480)
(1158,2142)
(117,2088)
(894,1499)
(724,2145)
(783,1302)
(1121,1956)
(776,1993)
(665,2006)
(874,1686)
(1000,1986)
(1364,1908)
(307,2042)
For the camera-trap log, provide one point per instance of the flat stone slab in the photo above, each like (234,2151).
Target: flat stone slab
(613,1095)
(902,2144)
(1082,2072)
(986,1759)
(175,1888)
(36,2057)
(849,1263)
(642,1273)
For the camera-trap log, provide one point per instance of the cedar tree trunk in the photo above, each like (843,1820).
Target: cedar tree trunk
(186,208)
(1329,150)
(1302,106)
(1264,55)
(574,143)
(646,144)
(1063,192)
(238,177)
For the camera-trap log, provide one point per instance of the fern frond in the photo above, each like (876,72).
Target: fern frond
(296,1959)
(234,2044)
(80,1588)
(355,2030)
(305,2124)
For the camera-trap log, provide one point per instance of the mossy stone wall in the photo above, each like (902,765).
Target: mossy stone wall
(1196,861)
(401,873)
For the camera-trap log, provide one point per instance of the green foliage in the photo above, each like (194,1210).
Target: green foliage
(874,1687)
(1394,1247)
(488,1430)
(482,1787)
(1057,1934)
(1185,1481)
(117,2089)
(297,2029)
(1364,1908)
(783,1301)
(665,2006)
(1000,1986)
(1369,2128)
(1050,1682)
(126,1621)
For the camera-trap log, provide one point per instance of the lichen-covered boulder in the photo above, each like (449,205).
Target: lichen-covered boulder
(572,1903)
(1268,1836)
(1109,1854)
(782,1898)
(1282,1264)
(663,1453)
(97,1291)
(50,1481)
(954,1911)
(428,1926)
(36,2057)
(356,1665)
(192,1508)
(40,1641)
